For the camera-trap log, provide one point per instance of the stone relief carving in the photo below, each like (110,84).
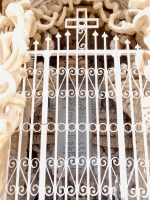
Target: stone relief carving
(138,4)
(17,26)
(122,4)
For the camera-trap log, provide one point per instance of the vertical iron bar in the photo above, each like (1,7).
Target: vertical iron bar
(119,108)
(133,122)
(87,112)
(107,118)
(32,122)
(19,145)
(145,138)
(43,146)
(56,118)
(97,116)
(19,157)
(77,112)
(20,140)
(67,99)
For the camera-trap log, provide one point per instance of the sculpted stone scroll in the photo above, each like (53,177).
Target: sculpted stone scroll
(17,26)
(138,4)
(13,54)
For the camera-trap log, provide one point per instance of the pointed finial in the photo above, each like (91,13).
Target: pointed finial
(137,47)
(127,42)
(58,35)
(67,33)
(35,44)
(95,34)
(104,35)
(48,39)
(116,38)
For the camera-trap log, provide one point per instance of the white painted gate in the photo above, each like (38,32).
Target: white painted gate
(83,134)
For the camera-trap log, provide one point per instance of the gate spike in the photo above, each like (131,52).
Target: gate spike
(137,47)
(35,44)
(95,33)
(48,39)
(105,36)
(127,42)
(58,35)
(116,39)
(67,33)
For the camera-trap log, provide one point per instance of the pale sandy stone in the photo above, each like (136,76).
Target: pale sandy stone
(141,25)
(139,4)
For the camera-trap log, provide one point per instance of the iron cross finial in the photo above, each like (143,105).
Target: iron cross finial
(81,24)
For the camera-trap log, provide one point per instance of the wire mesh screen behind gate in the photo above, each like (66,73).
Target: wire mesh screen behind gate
(83,134)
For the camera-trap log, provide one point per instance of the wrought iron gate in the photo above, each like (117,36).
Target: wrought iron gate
(83,134)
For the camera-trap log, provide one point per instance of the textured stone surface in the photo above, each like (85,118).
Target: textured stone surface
(3,167)
(140,4)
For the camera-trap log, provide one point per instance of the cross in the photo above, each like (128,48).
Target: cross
(81,26)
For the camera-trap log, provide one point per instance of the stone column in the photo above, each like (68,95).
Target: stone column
(3,167)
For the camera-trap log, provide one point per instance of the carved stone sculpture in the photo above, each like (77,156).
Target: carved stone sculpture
(27,116)
(138,4)
(16,28)
(141,24)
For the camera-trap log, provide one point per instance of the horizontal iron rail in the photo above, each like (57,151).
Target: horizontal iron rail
(83,52)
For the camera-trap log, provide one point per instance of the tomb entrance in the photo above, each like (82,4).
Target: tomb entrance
(79,136)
